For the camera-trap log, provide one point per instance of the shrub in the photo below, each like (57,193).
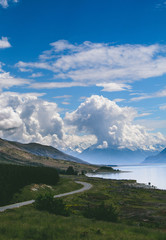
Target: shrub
(44,202)
(70,171)
(48,203)
(101,212)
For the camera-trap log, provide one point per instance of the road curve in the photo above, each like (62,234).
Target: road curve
(86,186)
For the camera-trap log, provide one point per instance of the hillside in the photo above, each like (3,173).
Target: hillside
(37,154)
(159,158)
(46,151)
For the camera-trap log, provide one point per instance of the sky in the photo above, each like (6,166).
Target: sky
(80,74)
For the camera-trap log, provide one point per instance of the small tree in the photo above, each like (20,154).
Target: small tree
(70,171)
(44,202)
(101,212)
(47,202)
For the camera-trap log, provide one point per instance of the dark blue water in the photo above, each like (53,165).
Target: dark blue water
(155,174)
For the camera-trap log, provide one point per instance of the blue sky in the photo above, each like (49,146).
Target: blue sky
(74,74)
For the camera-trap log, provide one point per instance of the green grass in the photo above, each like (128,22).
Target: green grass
(142,214)
(143,207)
(65,184)
(29,224)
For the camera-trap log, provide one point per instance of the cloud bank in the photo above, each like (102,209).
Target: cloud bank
(97,121)
(112,66)
(27,118)
(112,125)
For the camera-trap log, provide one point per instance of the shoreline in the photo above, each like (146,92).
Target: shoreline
(152,176)
(135,184)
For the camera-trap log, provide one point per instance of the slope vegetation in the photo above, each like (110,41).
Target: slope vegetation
(34,154)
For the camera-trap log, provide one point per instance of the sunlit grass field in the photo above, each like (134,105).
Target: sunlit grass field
(141,213)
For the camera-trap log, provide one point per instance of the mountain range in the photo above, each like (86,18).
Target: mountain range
(38,154)
(110,156)
(159,158)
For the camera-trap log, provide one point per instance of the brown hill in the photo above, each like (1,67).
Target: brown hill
(37,154)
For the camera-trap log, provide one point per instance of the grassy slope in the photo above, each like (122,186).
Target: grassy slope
(15,156)
(30,224)
(138,207)
(64,185)
(13,153)
(142,214)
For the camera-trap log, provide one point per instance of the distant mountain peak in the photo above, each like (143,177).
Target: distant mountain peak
(115,156)
(159,158)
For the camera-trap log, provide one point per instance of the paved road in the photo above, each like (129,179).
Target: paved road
(86,186)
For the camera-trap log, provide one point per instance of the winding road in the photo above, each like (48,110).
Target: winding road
(86,186)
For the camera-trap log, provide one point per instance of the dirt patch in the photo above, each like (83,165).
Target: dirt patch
(36,187)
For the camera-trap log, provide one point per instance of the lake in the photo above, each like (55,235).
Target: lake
(155,174)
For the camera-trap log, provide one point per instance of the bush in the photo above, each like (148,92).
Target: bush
(70,171)
(101,212)
(48,203)
(44,202)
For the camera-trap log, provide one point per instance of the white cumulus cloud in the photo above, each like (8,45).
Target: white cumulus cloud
(112,125)
(4,43)
(9,119)
(27,118)
(97,121)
